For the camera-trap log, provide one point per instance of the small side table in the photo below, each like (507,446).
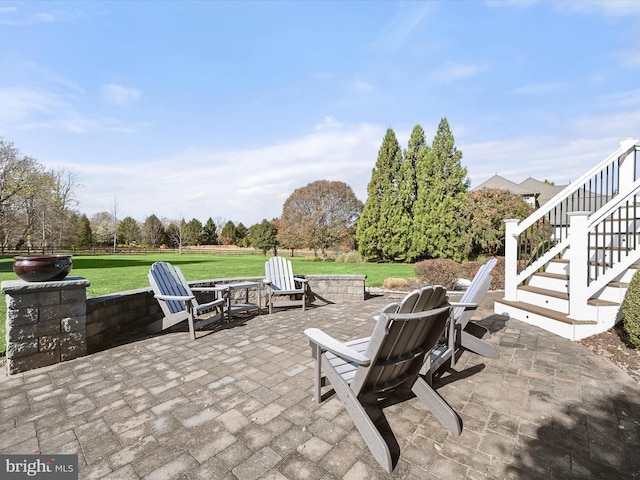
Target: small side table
(246,305)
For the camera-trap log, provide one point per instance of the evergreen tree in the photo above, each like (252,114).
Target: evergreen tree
(263,236)
(241,235)
(84,237)
(209,234)
(408,189)
(442,186)
(129,231)
(382,223)
(228,234)
(193,232)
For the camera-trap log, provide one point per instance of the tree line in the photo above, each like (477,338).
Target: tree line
(418,206)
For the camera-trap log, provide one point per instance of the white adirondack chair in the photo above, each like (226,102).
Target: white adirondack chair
(177,301)
(280,281)
(366,373)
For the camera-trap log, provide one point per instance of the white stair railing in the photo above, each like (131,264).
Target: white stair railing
(532,243)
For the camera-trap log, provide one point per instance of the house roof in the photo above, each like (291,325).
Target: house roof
(541,190)
(545,191)
(503,184)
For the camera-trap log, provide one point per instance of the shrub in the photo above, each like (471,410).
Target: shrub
(446,272)
(396,284)
(438,271)
(351,257)
(631,310)
(467,270)
(498,275)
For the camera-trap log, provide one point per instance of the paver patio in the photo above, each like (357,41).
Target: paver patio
(237,404)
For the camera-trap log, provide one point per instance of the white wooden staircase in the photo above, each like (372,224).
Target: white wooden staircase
(568,265)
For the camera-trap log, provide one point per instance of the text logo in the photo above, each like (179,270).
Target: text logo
(50,467)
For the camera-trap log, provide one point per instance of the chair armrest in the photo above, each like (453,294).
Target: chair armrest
(266,282)
(390,308)
(168,298)
(301,280)
(467,306)
(205,307)
(327,342)
(217,288)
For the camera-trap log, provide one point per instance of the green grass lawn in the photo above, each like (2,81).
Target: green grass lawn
(116,273)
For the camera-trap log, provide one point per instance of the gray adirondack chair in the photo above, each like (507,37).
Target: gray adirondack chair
(280,281)
(177,301)
(464,333)
(365,373)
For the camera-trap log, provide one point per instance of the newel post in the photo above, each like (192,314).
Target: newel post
(627,174)
(510,259)
(578,265)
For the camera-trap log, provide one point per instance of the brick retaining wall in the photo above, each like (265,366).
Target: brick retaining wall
(50,322)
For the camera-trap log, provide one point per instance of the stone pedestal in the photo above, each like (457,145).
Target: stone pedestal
(46,322)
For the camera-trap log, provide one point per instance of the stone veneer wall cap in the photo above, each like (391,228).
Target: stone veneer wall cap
(354,276)
(17,286)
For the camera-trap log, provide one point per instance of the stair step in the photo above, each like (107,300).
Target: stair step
(556,276)
(559,276)
(596,302)
(545,312)
(545,291)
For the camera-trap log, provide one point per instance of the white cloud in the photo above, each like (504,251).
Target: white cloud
(568,151)
(20,104)
(328,122)
(119,95)
(242,185)
(247,185)
(31,108)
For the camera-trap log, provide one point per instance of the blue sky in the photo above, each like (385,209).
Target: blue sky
(222,109)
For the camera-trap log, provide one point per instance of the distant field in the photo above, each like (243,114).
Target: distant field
(116,273)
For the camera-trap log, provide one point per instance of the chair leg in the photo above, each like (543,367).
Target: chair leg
(363,422)
(478,346)
(438,406)
(190,312)
(316,352)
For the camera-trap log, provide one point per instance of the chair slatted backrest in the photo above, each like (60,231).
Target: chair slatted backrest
(422,299)
(279,272)
(475,293)
(168,280)
(398,347)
